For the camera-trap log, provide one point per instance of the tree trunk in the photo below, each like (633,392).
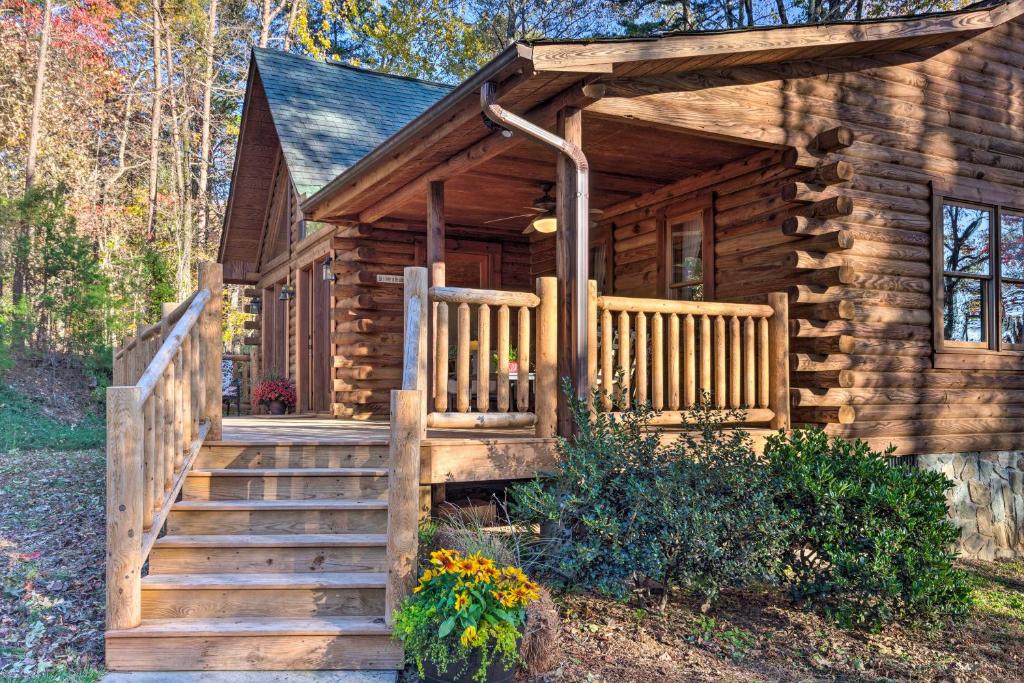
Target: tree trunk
(292,14)
(183,213)
(154,127)
(783,18)
(204,142)
(21,252)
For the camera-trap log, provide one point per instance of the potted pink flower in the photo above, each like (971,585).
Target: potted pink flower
(276,393)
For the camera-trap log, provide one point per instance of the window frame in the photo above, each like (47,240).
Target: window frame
(999,203)
(673,215)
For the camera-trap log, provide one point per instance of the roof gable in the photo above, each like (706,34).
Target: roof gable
(328,115)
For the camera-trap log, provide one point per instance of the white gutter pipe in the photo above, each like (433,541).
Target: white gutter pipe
(502,116)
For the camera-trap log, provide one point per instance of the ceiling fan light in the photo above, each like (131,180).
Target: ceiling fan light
(545,223)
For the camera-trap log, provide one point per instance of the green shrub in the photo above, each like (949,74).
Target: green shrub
(624,508)
(872,543)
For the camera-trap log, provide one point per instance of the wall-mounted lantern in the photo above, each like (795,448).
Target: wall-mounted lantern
(287,293)
(326,272)
(256,305)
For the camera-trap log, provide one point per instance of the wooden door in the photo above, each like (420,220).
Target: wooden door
(476,265)
(321,353)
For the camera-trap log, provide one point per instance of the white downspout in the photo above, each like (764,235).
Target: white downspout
(500,115)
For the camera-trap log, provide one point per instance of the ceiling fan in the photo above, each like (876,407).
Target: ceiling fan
(541,213)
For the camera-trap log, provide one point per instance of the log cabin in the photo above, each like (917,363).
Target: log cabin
(818,225)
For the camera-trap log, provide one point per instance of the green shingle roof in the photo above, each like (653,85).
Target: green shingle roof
(329,115)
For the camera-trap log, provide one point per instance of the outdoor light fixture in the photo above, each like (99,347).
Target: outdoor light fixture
(256,305)
(545,223)
(494,126)
(327,273)
(287,292)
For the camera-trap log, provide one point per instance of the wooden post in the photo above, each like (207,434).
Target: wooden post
(211,277)
(778,337)
(414,376)
(570,128)
(403,496)
(124,507)
(436,277)
(592,333)
(548,392)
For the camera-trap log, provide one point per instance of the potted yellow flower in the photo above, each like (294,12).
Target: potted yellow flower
(465,619)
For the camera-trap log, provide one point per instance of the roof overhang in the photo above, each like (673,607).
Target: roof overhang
(585,60)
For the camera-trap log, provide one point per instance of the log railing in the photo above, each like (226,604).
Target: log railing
(671,354)
(169,402)
(522,322)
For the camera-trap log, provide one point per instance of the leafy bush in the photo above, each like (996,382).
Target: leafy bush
(697,512)
(23,425)
(872,543)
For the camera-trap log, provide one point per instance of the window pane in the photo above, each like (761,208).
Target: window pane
(691,293)
(965,240)
(964,316)
(1011,245)
(686,252)
(1013,313)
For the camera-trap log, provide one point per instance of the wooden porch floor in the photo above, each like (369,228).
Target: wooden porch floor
(448,455)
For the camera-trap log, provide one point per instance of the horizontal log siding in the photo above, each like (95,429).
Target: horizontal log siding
(859,276)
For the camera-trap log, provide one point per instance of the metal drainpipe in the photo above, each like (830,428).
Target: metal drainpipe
(502,116)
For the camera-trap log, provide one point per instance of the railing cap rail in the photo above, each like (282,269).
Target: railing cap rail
(668,306)
(154,329)
(491,297)
(163,357)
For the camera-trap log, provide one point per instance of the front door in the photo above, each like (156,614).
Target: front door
(314,307)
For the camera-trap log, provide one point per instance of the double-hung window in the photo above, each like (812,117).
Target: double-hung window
(979,276)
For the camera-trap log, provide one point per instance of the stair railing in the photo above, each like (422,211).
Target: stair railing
(156,423)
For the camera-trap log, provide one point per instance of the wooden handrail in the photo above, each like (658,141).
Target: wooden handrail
(156,425)
(673,354)
(157,327)
(172,343)
(492,307)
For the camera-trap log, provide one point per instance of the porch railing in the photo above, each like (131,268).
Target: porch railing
(674,354)
(482,392)
(167,402)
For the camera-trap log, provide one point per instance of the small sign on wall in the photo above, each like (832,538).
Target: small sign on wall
(390,279)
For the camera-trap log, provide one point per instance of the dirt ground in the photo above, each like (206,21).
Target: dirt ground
(761,637)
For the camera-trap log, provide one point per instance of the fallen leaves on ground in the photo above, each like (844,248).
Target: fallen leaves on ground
(759,636)
(51,564)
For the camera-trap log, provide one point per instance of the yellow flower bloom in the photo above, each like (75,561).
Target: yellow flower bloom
(445,559)
(461,602)
(468,636)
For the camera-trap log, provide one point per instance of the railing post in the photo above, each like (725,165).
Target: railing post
(124,506)
(778,339)
(417,316)
(546,386)
(592,334)
(211,277)
(403,496)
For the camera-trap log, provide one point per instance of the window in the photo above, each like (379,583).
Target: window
(980,287)
(685,268)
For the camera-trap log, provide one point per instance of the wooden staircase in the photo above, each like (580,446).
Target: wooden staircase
(274,559)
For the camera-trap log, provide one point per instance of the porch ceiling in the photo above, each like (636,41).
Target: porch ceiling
(627,160)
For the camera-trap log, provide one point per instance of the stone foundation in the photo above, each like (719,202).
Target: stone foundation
(987,502)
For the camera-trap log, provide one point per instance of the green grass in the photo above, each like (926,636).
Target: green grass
(999,591)
(60,675)
(23,426)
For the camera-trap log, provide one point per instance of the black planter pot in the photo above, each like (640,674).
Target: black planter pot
(497,672)
(277,407)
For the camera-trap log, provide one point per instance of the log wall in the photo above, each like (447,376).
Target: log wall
(848,231)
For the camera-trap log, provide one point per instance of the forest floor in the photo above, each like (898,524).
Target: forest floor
(756,636)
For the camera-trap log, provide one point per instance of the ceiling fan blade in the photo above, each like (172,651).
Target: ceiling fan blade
(510,218)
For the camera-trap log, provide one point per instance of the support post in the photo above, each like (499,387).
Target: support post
(403,497)
(211,277)
(778,342)
(435,268)
(546,387)
(124,506)
(571,237)
(414,354)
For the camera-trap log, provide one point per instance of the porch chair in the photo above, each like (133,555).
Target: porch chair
(231,387)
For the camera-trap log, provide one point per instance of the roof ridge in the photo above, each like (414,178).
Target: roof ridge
(350,67)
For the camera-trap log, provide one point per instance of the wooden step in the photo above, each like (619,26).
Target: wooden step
(268,553)
(220,455)
(177,596)
(304,483)
(194,517)
(254,644)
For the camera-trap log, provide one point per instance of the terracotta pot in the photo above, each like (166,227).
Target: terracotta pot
(277,407)
(497,672)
